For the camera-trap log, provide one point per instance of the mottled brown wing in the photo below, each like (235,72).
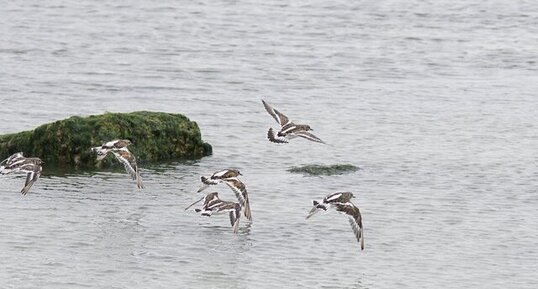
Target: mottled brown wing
(339,197)
(31,177)
(235,216)
(358,231)
(355,220)
(224,174)
(241,193)
(272,137)
(308,136)
(12,159)
(280,118)
(212,201)
(206,182)
(17,162)
(128,160)
(121,143)
(230,174)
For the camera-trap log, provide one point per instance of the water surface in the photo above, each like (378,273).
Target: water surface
(435,102)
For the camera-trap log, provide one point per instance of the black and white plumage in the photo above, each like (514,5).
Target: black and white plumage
(119,149)
(341,202)
(212,204)
(230,178)
(10,160)
(288,129)
(128,160)
(103,150)
(18,163)
(334,198)
(355,220)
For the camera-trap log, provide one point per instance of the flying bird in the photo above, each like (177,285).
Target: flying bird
(18,163)
(212,204)
(119,149)
(334,198)
(229,177)
(103,150)
(288,129)
(10,160)
(341,201)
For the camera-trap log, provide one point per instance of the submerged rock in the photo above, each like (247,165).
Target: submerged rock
(156,136)
(327,170)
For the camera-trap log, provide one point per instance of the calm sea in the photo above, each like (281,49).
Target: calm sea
(435,101)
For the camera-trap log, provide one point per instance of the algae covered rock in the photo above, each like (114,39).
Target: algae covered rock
(156,136)
(327,170)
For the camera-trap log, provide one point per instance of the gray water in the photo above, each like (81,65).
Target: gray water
(435,101)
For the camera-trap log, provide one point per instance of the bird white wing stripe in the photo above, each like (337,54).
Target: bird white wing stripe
(308,136)
(29,178)
(273,138)
(334,197)
(357,231)
(280,118)
(237,192)
(110,143)
(288,129)
(235,219)
(271,111)
(127,165)
(220,173)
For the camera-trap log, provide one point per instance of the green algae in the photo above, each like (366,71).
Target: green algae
(326,170)
(156,136)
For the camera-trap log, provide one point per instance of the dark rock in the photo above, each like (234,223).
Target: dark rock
(156,136)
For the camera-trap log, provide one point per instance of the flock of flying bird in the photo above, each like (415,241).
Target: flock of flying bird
(211,203)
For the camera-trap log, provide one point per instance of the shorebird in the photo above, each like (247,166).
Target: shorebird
(212,204)
(229,177)
(10,160)
(103,150)
(18,163)
(288,129)
(119,149)
(341,201)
